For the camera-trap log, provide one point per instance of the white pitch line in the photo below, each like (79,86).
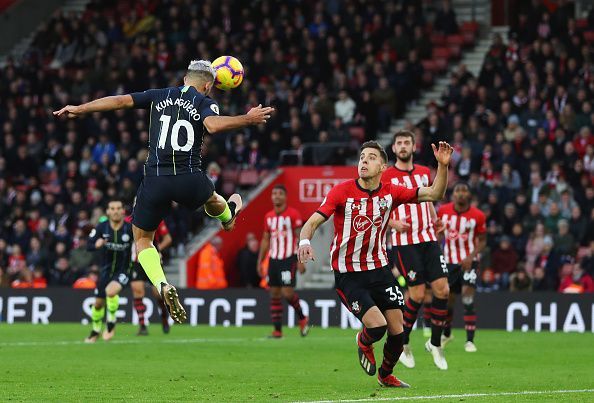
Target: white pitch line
(438,397)
(149,341)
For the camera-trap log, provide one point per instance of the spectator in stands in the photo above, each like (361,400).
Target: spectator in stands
(80,258)
(445,21)
(520,281)
(247,261)
(210,273)
(89,281)
(344,108)
(541,282)
(577,281)
(488,281)
(565,244)
(61,274)
(504,261)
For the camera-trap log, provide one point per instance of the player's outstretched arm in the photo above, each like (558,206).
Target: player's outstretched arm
(305,252)
(255,116)
(104,104)
(436,192)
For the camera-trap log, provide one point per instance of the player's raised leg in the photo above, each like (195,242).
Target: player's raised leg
(224,211)
(149,258)
(392,350)
(113,302)
(469,317)
(97,315)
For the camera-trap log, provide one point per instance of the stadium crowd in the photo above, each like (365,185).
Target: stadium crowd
(523,132)
(325,68)
(522,129)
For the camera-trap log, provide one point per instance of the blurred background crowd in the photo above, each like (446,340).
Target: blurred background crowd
(338,72)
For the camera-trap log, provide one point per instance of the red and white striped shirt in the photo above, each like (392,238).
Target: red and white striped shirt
(360,223)
(283,242)
(461,230)
(419,216)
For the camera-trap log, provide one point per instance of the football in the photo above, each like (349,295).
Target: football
(229,72)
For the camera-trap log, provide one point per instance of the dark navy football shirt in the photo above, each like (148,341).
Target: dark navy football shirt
(176,128)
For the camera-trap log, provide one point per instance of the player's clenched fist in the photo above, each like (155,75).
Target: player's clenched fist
(306,253)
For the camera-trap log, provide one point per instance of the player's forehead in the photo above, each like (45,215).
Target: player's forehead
(115,205)
(403,139)
(370,151)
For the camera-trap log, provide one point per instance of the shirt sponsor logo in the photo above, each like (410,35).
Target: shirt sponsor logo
(362,223)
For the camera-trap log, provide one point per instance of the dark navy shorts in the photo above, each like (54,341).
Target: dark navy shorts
(155,194)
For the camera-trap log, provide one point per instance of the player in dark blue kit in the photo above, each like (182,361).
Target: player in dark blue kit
(179,119)
(113,240)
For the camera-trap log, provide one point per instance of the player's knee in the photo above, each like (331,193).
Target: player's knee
(468,299)
(417,294)
(441,289)
(287,293)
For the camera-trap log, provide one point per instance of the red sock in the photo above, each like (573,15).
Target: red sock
(140,310)
(276,313)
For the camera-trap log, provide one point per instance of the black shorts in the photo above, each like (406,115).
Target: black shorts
(458,277)
(155,194)
(281,272)
(106,277)
(421,263)
(138,273)
(361,290)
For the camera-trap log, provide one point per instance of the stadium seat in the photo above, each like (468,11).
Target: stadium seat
(430,66)
(455,40)
(228,188)
(581,23)
(469,38)
(469,26)
(248,177)
(358,133)
(441,53)
(455,51)
(230,175)
(438,40)
(442,64)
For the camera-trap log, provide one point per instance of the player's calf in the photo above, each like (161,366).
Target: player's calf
(365,339)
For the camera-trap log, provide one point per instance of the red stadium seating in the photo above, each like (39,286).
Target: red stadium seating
(589,36)
(248,177)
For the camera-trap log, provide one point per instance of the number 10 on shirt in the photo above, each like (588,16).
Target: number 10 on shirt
(165,121)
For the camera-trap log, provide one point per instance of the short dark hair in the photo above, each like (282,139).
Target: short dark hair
(280,186)
(404,133)
(461,184)
(377,146)
(115,200)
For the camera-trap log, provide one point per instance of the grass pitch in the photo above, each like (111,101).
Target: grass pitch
(50,363)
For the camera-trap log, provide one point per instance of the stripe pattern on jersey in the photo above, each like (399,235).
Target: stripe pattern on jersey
(282,240)
(364,222)
(419,215)
(459,234)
